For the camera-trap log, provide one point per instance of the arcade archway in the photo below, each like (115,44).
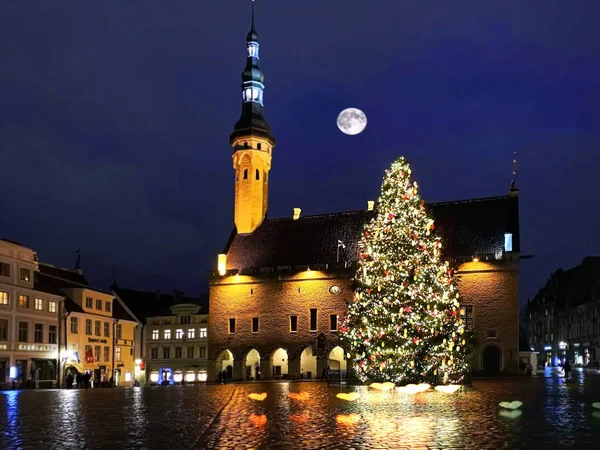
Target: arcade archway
(279,363)
(252,365)
(336,360)
(308,364)
(224,362)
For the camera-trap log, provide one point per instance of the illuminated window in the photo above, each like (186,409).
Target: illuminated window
(190,352)
(51,306)
(248,93)
(466,314)
(191,333)
(167,334)
(39,304)
(107,329)
(179,334)
(293,324)
(154,335)
(23,301)
(203,333)
(23,331)
(153,353)
(106,353)
(3,298)
(333,322)
(255,324)
(74,325)
(313,319)
(231,326)
(245,174)
(119,331)
(88,327)
(177,352)
(4,270)
(118,354)
(3,329)
(97,327)
(24,274)
(89,302)
(107,306)
(99,305)
(38,333)
(52,334)
(202,376)
(508,242)
(253,49)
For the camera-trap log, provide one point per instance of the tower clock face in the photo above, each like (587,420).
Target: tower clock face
(335,289)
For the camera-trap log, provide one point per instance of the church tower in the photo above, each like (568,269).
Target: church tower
(252,144)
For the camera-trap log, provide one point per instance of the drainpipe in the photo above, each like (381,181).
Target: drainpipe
(114,372)
(62,325)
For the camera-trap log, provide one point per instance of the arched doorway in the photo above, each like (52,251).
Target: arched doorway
(492,360)
(279,363)
(336,360)
(224,361)
(252,370)
(308,364)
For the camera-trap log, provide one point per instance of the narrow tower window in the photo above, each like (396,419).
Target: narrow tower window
(253,50)
(258,146)
(257,174)
(245,174)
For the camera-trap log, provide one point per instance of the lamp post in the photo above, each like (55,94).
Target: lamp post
(62,324)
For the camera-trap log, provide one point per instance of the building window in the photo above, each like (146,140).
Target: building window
(97,327)
(88,351)
(3,329)
(24,274)
(4,269)
(3,298)
(177,352)
(293,324)
(97,353)
(491,334)
(253,49)
(202,353)
(23,301)
(167,334)
(466,314)
(51,306)
(23,331)
(508,242)
(99,305)
(257,174)
(52,334)
(185,320)
(119,331)
(313,319)
(190,352)
(88,327)
(231,326)
(258,146)
(245,174)
(89,302)
(191,333)
(107,306)
(39,304)
(153,353)
(106,329)
(333,322)
(118,354)
(154,335)
(38,333)
(179,334)
(106,353)
(74,325)
(255,324)
(166,353)
(203,333)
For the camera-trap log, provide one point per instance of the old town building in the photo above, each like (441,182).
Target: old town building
(563,319)
(28,321)
(174,335)
(282,285)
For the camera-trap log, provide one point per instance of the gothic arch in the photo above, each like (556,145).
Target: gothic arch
(492,358)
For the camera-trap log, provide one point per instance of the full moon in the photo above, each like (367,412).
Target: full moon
(352,121)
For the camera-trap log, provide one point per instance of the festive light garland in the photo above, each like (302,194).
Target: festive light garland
(404,325)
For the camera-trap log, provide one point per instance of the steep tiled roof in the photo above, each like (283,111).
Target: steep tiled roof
(150,304)
(118,312)
(64,274)
(468,228)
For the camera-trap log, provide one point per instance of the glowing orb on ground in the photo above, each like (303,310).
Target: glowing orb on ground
(448,389)
(347,419)
(302,396)
(513,414)
(511,405)
(351,121)
(414,388)
(382,386)
(299,418)
(350,397)
(258,420)
(596,405)
(257,397)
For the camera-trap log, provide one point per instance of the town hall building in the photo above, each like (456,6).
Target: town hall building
(283,285)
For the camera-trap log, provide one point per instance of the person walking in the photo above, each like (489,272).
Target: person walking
(567,369)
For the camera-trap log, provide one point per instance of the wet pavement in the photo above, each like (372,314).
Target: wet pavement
(554,415)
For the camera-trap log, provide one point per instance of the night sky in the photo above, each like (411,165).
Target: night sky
(115,117)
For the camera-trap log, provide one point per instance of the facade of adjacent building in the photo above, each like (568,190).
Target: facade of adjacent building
(174,335)
(282,285)
(563,319)
(28,321)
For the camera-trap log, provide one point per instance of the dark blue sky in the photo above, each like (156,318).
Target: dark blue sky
(115,116)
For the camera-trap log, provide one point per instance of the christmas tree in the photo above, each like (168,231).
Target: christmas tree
(404,325)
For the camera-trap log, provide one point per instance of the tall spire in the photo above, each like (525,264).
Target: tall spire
(513,182)
(252,26)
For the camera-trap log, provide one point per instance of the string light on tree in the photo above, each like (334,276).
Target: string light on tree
(404,325)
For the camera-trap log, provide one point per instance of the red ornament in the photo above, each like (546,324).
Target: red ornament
(390,216)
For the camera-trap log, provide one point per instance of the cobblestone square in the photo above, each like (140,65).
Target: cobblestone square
(308,415)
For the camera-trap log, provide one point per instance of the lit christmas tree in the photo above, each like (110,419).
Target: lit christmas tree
(404,325)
